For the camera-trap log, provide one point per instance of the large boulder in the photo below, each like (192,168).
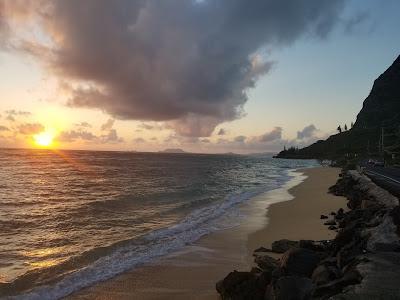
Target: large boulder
(300,262)
(243,285)
(265,262)
(324,274)
(290,288)
(284,245)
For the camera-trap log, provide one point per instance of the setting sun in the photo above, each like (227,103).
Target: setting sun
(44,139)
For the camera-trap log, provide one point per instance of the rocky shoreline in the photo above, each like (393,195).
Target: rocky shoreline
(361,262)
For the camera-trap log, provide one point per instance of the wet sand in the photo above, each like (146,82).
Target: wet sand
(192,272)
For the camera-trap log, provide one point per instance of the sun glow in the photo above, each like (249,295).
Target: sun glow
(44,139)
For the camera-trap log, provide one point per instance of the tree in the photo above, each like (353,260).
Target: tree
(339,129)
(345,127)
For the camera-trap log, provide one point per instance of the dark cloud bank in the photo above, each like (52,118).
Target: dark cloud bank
(189,63)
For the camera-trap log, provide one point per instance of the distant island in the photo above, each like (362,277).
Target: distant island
(172,150)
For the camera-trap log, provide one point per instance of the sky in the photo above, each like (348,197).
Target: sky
(210,76)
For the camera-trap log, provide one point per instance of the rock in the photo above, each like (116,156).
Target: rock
(380,273)
(367,203)
(387,247)
(323,217)
(243,285)
(344,237)
(330,222)
(300,262)
(293,288)
(332,227)
(333,213)
(395,214)
(324,274)
(262,249)
(284,245)
(329,261)
(265,262)
(336,286)
(256,270)
(312,245)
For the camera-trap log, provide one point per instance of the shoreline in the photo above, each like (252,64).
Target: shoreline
(193,271)
(299,219)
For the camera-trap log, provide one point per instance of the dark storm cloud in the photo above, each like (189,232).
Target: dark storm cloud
(189,63)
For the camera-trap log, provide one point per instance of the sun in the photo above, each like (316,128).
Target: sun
(44,139)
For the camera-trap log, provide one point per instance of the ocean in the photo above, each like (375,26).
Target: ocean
(69,219)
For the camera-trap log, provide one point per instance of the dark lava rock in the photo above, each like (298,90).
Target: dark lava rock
(395,214)
(262,249)
(324,274)
(301,262)
(323,217)
(387,247)
(312,245)
(243,285)
(292,288)
(344,237)
(336,286)
(284,245)
(332,227)
(333,213)
(265,262)
(330,222)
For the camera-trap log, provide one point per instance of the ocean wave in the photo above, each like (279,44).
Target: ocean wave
(103,263)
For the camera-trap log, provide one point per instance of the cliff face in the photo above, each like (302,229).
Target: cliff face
(380,108)
(383,102)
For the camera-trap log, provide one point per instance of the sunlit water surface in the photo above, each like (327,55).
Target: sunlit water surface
(71,218)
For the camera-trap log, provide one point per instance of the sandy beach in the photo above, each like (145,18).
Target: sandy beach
(192,272)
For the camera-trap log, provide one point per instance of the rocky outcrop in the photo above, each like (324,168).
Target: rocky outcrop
(382,106)
(361,262)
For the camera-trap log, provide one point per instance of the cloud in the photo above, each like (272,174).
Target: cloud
(355,21)
(139,140)
(240,139)
(222,131)
(4,128)
(274,134)
(108,125)
(111,137)
(73,135)
(306,132)
(189,63)
(83,124)
(84,135)
(30,128)
(148,126)
(13,114)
